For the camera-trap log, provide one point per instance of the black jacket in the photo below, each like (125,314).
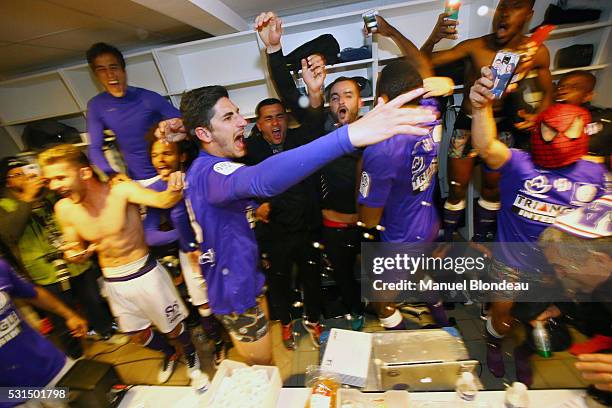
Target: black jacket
(339,178)
(297,209)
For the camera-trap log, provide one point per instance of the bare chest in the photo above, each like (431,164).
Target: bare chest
(100,223)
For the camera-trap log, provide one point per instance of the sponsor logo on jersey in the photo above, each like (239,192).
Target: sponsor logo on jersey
(537,186)
(562,184)
(364,185)
(10,327)
(207,257)
(4,301)
(173,312)
(250,216)
(227,167)
(421,181)
(583,193)
(537,210)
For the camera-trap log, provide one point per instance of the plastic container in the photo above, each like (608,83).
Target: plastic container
(516,396)
(226,369)
(324,387)
(466,390)
(541,340)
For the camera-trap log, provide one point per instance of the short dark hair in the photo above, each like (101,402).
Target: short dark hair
(103,48)
(341,79)
(397,78)
(587,76)
(268,102)
(197,106)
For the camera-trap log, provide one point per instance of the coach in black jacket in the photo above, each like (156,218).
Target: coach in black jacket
(290,222)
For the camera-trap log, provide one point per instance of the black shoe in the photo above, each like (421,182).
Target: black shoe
(220,352)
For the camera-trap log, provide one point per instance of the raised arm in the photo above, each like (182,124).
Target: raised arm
(409,50)
(541,65)
(277,173)
(136,194)
(444,28)
(484,130)
(270,31)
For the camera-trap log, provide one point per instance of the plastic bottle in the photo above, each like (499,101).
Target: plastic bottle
(199,381)
(516,396)
(466,390)
(541,340)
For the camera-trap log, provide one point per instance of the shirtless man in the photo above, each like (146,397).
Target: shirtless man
(98,217)
(509,20)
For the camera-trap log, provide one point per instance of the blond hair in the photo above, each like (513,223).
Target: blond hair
(64,153)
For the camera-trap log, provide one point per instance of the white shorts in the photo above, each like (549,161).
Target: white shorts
(196,285)
(144,300)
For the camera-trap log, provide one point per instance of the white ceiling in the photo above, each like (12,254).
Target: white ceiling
(42,34)
(35,34)
(248,9)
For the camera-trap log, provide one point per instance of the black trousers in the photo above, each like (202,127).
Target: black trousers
(342,245)
(281,254)
(83,291)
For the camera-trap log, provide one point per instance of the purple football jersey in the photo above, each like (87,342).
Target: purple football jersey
(220,196)
(130,118)
(26,357)
(400,174)
(532,198)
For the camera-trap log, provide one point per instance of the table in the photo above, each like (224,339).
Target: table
(185,397)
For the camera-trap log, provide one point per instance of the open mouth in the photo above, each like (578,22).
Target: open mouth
(502,29)
(342,114)
(277,134)
(113,82)
(239,142)
(162,169)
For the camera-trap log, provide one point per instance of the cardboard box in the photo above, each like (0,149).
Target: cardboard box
(347,353)
(226,369)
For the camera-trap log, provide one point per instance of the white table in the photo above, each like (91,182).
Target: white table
(185,397)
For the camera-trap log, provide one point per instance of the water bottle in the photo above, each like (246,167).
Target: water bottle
(516,396)
(541,340)
(466,390)
(199,381)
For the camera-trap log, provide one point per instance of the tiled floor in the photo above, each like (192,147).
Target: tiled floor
(137,365)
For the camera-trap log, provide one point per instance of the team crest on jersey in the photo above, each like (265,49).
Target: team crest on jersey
(227,167)
(537,210)
(250,216)
(364,185)
(538,186)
